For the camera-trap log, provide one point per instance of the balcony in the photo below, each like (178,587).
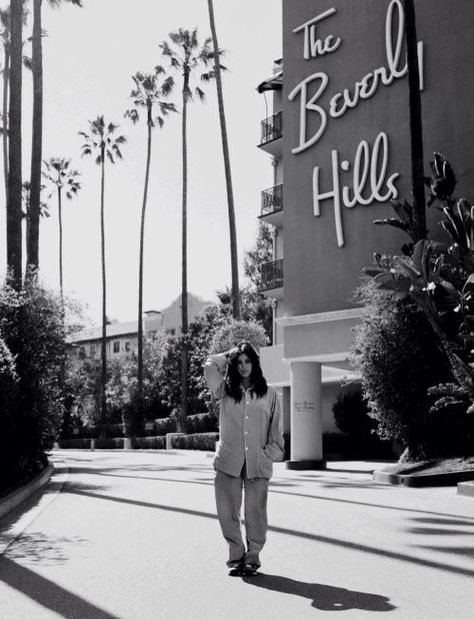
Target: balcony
(271,131)
(272,279)
(272,205)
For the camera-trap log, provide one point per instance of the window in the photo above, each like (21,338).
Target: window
(127,346)
(82,352)
(92,351)
(116,346)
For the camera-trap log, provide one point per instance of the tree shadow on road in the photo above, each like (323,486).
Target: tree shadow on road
(323,597)
(37,547)
(47,593)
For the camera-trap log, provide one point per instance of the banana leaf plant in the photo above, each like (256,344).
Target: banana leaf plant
(422,278)
(441,185)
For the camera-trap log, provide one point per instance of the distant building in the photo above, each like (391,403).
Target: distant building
(122,337)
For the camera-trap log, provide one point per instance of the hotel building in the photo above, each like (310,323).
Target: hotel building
(339,140)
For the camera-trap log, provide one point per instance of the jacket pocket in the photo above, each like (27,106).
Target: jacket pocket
(265,465)
(222,453)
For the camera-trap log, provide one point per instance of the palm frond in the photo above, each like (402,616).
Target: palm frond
(200,93)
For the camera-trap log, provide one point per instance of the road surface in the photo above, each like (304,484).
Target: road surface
(133,535)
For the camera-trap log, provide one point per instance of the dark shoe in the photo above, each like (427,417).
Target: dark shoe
(250,569)
(237,569)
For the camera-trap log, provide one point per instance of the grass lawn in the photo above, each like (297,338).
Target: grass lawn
(433,467)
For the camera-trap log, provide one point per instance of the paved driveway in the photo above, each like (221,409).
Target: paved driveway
(134,535)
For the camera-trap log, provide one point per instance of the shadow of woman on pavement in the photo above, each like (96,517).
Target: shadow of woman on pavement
(323,597)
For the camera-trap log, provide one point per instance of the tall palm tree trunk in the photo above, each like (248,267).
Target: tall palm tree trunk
(140,273)
(37,143)
(236,311)
(184,282)
(416,124)
(6,82)
(60,219)
(103,406)
(14,211)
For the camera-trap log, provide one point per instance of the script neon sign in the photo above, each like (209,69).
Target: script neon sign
(370,167)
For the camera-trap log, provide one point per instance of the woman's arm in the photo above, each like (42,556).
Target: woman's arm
(215,370)
(275,447)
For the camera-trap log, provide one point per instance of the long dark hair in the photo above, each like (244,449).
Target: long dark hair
(233,379)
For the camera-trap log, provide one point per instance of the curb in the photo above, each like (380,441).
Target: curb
(419,481)
(15,498)
(466,488)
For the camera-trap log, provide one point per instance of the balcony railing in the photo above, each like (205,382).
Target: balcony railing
(272,274)
(272,200)
(272,128)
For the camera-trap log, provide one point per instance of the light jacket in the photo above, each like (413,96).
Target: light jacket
(250,430)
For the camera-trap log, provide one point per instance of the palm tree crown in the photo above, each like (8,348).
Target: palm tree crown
(187,56)
(148,93)
(101,140)
(59,173)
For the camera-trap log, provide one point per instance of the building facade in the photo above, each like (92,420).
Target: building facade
(122,337)
(339,138)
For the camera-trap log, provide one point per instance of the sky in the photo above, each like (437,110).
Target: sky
(90,55)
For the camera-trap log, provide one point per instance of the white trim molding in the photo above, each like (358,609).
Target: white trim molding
(308,319)
(327,358)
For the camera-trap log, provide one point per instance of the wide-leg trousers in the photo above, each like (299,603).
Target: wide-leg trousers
(229,492)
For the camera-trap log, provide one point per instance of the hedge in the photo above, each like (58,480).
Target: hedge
(109,443)
(204,442)
(74,443)
(149,442)
(337,445)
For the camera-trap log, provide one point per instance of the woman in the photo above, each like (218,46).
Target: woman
(250,441)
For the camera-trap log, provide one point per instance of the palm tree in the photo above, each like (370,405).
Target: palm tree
(149,93)
(62,178)
(14,211)
(25,196)
(102,143)
(37,131)
(236,310)
(190,60)
(5,40)
(416,125)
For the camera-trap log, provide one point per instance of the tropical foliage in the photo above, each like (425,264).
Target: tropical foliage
(438,279)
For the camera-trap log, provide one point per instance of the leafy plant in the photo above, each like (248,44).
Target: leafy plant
(398,360)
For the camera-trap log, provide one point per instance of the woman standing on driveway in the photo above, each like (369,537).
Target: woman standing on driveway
(250,441)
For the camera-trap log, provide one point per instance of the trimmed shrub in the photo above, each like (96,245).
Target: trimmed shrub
(74,443)
(205,422)
(398,360)
(163,426)
(342,446)
(229,335)
(202,442)
(149,442)
(351,414)
(109,443)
